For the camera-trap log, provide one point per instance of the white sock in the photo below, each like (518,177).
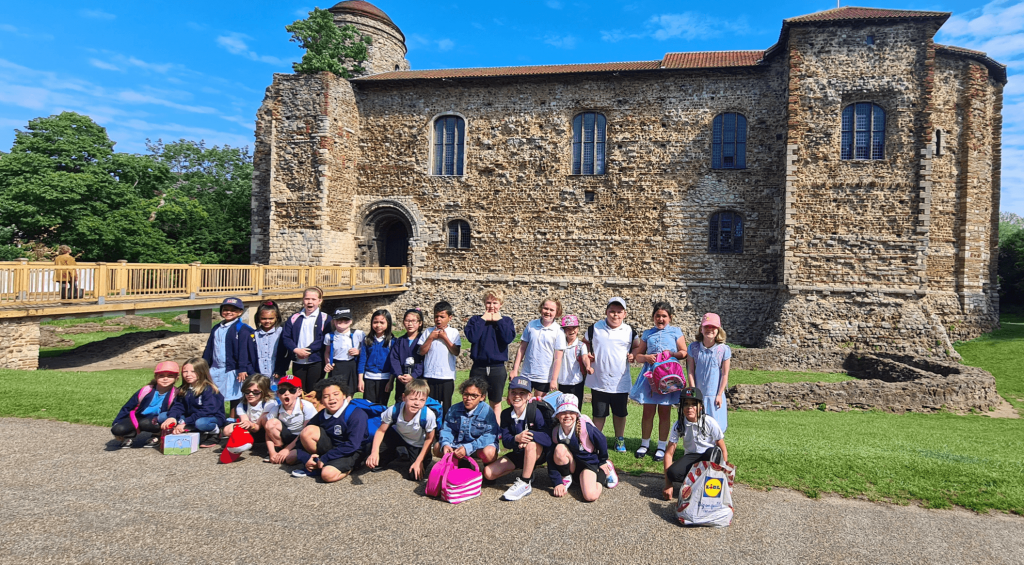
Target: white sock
(662,445)
(645,442)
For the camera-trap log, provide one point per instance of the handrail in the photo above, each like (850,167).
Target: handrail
(37,282)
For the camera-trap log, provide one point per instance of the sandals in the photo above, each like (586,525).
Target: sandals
(641,453)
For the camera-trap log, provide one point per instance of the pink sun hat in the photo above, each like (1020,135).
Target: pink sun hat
(710,319)
(570,321)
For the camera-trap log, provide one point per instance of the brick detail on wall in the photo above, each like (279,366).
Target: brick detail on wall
(19,344)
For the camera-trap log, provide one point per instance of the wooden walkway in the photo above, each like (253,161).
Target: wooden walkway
(34,289)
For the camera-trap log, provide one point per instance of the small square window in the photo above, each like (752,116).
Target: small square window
(589,196)
(870,40)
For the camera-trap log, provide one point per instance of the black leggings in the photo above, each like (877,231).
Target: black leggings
(679,469)
(442,390)
(124,427)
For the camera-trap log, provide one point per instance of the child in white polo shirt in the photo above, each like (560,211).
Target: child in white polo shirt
(541,348)
(414,429)
(611,340)
(343,348)
(440,346)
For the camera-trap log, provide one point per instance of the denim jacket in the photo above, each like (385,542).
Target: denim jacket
(472,430)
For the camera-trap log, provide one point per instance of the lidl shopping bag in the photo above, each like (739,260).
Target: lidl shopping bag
(705,499)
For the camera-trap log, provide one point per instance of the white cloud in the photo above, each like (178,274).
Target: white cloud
(161,68)
(554,4)
(104,65)
(235,44)
(417,41)
(687,26)
(21,33)
(564,42)
(303,12)
(96,14)
(134,97)
(445,44)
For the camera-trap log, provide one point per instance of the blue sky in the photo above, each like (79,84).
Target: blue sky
(198,70)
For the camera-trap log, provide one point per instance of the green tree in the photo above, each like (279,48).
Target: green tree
(341,51)
(1011,259)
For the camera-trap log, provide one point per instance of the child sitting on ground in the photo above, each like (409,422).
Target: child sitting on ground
(148,407)
(343,348)
(700,435)
(580,454)
(249,415)
(440,346)
(199,406)
(410,425)
(332,442)
(470,429)
(285,417)
(231,352)
(528,440)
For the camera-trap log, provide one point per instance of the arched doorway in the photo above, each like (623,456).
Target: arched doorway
(393,246)
(387,235)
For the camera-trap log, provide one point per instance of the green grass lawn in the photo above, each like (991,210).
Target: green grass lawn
(938,459)
(82,339)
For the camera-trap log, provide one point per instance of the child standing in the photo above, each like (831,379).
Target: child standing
(147,408)
(303,336)
(231,351)
(662,337)
(375,377)
(250,414)
(528,440)
(470,429)
(343,348)
(332,443)
(405,359)
(700,435)
(285,418)
(439,346)
(490,335)
(541,349)
(708,367)
(612,341)
(580,454)
(199,406)
(410,425)
(271,355)
(576,361)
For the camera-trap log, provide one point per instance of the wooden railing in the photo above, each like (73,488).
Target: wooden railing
(24,282)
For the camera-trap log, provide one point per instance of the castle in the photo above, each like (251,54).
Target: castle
(837,189)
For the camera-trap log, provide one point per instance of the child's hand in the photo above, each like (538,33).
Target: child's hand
(439,333)
(718,401)
(525,436)
(416,469)
(313,463)
(373,460)
(329,367)
(560,491)
(460,453)
(629,357)
(361,384)
(590,370)
(353,352)
(406,378)
(387,387)
(242,375)
(491,316)
(179,429)
(667,493)
(302,352)
(168,424)
(279,456)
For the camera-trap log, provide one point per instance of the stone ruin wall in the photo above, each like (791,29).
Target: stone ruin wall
(387,50)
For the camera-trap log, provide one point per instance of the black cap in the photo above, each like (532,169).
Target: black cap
(691,393)
(344,313)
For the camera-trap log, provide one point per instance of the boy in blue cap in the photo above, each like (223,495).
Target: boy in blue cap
(528,437)
(231,352)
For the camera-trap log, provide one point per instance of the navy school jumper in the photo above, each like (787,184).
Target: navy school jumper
(490,340)
(134,405)
(188,407)
(346,437)
(239,349)
(597,459)
(400,351)
(290,336)
(510,428)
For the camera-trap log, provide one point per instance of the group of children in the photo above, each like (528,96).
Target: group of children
(328,356)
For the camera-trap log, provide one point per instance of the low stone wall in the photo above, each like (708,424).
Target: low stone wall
(892,383)
(131,351)
(19,346)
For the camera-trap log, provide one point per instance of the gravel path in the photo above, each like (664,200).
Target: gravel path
(66,499)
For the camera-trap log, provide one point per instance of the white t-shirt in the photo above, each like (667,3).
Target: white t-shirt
(611,367)
(439,363)
(572,371)
(413,434)
(253,412)
(693,440)
(294,420)
(540,353)
(344,342)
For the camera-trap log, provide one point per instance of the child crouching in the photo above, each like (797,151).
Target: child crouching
(580,454)
(332,445)
(701,436)
(407,424)
(147,408)
(528,440)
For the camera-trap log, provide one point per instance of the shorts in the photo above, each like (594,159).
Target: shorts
(344,464)
(576,389)
(496,377)
(602,477)
(518,458)
(287,436)
(603,400)
(542,387)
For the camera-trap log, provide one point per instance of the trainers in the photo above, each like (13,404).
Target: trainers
(620,444)
(126,442)
(153,442)
(567,481)
(613,477)
(519,489)
(641,453)
(300,473)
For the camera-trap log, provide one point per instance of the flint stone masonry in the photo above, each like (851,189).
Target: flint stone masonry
(893,255)
(897,384)
(19,344)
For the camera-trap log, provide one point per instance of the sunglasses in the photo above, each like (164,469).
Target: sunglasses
(289,390)
(253,393)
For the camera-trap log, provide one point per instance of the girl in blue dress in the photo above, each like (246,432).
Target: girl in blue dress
(662,337)
(708,367)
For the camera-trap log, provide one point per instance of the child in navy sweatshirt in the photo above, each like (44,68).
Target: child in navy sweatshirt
(303,338)
(580,453)
(490,335)
(404,358)
(147,408)
(332,441)
(199,406)
(231,352)
(528,436)
(375,374)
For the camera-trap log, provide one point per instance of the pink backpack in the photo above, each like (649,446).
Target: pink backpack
(666,375)
(142,394)
(460,485)
(585,442)
(438,472)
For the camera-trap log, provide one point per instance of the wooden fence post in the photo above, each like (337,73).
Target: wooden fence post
(257,284)
(194,273)
(121,277)
(21,281)
(102,282)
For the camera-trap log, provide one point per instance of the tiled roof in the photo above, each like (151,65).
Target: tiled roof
(712,59)
(515,71)
(362,8)
(857,13)
(997,69)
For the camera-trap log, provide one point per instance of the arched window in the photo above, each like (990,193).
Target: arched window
(458,234)
(449,145)
(863,131)
(729,141)
(588,131)
(726,233)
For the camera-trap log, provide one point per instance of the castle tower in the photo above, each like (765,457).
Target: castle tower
(387,51)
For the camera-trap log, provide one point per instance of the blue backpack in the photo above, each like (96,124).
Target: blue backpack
(373,412)
(432,404)
(547,406)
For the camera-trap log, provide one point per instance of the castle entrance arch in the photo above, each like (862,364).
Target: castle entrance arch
(387,231)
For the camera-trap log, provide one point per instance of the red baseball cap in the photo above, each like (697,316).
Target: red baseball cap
(166,367)
(289,380)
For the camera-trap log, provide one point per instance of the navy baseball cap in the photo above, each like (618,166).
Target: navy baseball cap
(521,383)
(343,313)
(232,301)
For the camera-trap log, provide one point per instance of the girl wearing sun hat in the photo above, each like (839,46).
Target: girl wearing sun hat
(580,454)
(148,407)
(708,367)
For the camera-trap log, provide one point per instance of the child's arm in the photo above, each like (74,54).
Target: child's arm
(690,371)
(364,353)
(474,329)
(556,367)
(519,359)
(489,437)
(636,343)
(354,434)
(670,450)
(640,352)
(680,348)
(725,453)
(723,381)
(132,404)
(454,347)
(378,437)
(428,339)
(506,331)
(585,362)
(417,465)
(354,351)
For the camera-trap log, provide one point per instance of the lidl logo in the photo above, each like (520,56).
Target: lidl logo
(713,488)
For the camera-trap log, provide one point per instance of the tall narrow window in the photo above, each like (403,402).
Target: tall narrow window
(449,145)
(588,131)
(726,233)
(458,234)
(863,131)
(729,141)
